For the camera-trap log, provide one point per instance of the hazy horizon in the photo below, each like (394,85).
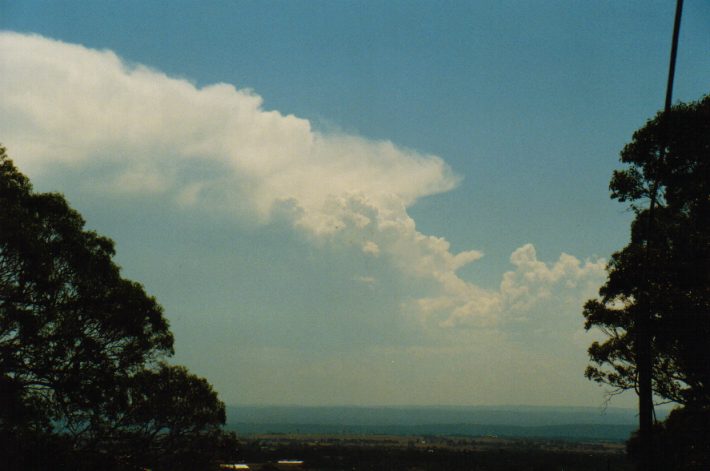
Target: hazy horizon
(575,423)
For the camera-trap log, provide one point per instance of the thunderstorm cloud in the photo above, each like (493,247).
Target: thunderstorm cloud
(143,134)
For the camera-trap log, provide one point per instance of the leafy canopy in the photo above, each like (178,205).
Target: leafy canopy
(81,349)
(665,268)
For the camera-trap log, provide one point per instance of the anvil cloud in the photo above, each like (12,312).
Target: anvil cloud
(141,133)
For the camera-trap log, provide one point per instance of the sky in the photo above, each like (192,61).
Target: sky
(352,202)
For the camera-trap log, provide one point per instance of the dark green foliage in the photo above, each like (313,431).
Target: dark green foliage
(80,378)
(171,409)
(170,398)
(666,267)
(682,440)
(664,271)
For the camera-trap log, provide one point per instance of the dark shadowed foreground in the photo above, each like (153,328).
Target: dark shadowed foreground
(424,453)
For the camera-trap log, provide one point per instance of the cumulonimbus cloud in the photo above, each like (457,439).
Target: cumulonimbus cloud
(145,133)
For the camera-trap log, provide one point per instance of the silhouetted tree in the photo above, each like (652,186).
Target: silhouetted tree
(665,268)
(684,438)
(80,346)
(173,418)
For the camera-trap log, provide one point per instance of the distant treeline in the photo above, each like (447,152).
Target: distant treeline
(618,433)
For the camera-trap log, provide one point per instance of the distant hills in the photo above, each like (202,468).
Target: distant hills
(565,423)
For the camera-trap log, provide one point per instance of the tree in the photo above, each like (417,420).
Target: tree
(70,325)
(173,418)
(685,439)
(80,345)
(664,271)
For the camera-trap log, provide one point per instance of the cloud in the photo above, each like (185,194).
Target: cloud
(366,280)
(72,105)
(140,133)
(533,291)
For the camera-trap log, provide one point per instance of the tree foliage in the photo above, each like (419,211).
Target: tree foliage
(80,346)
(665,266)
(655,305)
(684,438)
(173,418)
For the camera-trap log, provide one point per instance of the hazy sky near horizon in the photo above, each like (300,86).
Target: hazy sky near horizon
(359,203)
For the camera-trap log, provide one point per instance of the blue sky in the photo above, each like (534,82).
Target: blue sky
(380,203)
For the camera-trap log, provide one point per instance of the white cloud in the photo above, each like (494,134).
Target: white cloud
(371,248)
(139,132)
(534,291)
(367,280)
(73,105)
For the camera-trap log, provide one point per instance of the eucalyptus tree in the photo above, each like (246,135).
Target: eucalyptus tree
(81,347)
(658,286)
(666,266)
